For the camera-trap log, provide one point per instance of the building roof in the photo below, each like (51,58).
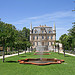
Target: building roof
(42,26)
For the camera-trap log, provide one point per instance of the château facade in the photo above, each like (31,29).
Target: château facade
(42,36)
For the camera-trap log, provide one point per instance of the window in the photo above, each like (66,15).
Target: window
(47,37)
(37,43)
(49,31)
(48,43)
(35,31)
(42,37)
(33,43)
(42,31)
(37,37)
(51,37)
(33,37)
(51,43)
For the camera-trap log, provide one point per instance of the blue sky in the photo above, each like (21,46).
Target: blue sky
(22,12)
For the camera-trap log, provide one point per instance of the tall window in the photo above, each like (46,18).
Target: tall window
(47,37)
(51,37)
(33,43)
(37,43)
(42,31)
(42,37)
(51,43)
(49,31)
(35,31)
(48,43)
(37,37)
(33,37)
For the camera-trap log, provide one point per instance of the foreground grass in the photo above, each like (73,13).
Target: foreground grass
(12,67)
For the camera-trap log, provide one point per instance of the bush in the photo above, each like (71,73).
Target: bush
(34,50)
(14,52)
(0,54)
(8,53)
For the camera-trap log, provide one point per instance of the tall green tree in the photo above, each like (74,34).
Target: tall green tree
(10,37)
(4,34)
(72,34)
(68,40)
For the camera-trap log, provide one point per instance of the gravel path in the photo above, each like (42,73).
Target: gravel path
(1,57)
(27,51)
(68,54)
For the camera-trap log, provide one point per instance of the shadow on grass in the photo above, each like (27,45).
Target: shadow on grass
(65,55)
(12,61)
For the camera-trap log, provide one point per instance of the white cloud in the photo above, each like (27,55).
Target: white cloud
(46,18)
(63,21)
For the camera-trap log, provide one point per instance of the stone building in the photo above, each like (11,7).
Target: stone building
(42,37)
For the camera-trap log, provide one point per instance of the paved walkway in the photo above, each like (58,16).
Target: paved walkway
(27,51)
(68,54)
(1,57)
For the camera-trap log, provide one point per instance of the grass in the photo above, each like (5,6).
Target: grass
(12,67)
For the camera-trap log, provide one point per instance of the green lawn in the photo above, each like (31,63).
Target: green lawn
(14,68)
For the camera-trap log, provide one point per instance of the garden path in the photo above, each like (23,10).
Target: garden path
(12,54)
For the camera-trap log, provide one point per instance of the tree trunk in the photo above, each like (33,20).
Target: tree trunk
(64,49)
(3,50)
(29,50)
(58,48)
(25,50)
(6,51)
(18,51)
(64,52)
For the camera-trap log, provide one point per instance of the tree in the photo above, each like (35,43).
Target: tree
(67,42)
(10,37)
(64,41)
(4,31)
(7,32)
(72,34)
(26,34)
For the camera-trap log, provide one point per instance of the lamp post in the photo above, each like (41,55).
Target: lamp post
(58,48)
(3,49)
(55,48)
(64,49)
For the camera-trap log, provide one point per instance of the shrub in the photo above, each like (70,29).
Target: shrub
(14,52)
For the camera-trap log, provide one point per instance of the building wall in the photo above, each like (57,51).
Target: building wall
(42,36)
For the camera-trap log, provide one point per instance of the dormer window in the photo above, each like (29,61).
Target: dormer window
(35,31)
(49,31)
